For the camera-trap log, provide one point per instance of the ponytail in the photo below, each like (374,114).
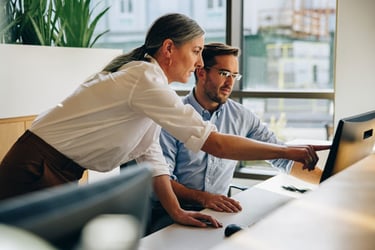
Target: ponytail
(137,54)
(177,27)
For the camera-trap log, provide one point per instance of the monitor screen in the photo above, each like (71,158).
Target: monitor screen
(59,214)
(354,139)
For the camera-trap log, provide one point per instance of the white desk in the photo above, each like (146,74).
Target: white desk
(340,214)
(257,202)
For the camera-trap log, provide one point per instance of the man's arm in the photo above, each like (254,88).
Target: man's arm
(216,202)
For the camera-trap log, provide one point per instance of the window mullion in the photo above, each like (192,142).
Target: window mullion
(234,29)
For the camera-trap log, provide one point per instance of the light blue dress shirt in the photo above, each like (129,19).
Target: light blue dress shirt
(202,171)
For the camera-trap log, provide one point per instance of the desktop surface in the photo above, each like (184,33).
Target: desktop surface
(256,203)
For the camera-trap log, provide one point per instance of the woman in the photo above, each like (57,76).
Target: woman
(116,116)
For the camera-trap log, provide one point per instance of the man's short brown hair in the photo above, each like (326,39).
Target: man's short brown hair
(211,50)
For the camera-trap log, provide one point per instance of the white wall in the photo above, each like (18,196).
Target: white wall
(355,58)
(35,78)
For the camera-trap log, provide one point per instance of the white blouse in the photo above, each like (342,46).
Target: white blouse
(114,118)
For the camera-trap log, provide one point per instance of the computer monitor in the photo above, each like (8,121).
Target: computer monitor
(59,214)
(354,139)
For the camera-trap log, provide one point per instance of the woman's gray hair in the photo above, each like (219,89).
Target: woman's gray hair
(177,27)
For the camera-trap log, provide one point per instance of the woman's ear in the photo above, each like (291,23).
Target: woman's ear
(167,47)
(166,51)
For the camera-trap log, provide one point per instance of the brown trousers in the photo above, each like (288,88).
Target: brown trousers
(32,164)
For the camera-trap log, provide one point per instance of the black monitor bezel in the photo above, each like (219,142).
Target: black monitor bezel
(328,170)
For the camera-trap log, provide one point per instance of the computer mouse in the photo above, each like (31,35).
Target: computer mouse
(231,229)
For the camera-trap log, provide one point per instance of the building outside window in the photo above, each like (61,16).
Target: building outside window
(126,7)
(287,54)
(288,51)
(129,20)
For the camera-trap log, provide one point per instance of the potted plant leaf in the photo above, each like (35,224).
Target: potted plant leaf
(7,22)
(77,29)
(68,23)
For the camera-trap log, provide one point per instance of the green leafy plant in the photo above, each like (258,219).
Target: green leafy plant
(77,23)
(38,23)
(7,22)
(68,23)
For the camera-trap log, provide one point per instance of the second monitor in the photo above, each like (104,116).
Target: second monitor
(354,140)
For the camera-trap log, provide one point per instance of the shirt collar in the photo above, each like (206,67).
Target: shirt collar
(152,60)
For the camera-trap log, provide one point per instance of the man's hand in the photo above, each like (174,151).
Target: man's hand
(197,219)
(217,202)
(220,203)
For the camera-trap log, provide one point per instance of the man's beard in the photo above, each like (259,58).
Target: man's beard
(216,98)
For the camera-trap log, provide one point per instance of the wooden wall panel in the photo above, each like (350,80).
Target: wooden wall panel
(11,129)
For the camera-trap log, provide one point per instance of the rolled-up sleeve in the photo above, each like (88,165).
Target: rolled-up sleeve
(154,156)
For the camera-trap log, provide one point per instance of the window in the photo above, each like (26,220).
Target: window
(288,50)
(287,65)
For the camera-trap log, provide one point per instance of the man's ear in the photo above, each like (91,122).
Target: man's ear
(200,75)
(201,72)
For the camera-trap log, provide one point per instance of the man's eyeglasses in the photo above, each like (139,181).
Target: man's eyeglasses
(226,73)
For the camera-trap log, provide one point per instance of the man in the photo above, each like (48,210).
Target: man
(201,180)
